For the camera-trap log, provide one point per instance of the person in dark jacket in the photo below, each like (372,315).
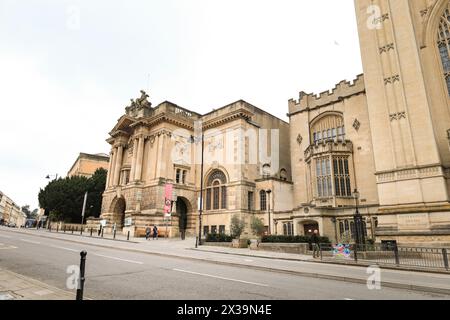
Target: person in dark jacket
(315,244)
(148,231)
(155,233)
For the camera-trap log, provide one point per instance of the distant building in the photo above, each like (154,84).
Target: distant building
(86,164)
(10,212)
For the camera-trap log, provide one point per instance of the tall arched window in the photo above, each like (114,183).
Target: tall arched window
(216,191)
(263,200)
(444,44)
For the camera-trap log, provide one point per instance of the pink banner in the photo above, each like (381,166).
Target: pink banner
(168,198)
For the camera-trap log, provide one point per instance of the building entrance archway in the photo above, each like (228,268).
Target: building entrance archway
(118,209)
(182,213)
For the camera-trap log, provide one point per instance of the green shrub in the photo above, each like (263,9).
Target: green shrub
(215,237)
(257,226)
(237,226)
(292,239)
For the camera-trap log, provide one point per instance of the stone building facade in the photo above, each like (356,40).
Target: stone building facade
(10,212)
(386,134)
(244,156)
(391,126)
(86,164)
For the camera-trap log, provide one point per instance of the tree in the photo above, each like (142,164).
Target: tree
(63,198)
(26,210)
(237,226)
(97,185)
(257,226)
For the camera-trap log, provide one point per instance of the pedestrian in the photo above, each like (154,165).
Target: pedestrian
(315,244)
(148,231)
(155,233)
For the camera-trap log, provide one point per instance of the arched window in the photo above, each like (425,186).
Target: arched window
(263,200)
(216,191)
(444,44)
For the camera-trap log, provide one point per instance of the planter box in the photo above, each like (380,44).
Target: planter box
(254,244)
(297,248)
(240,243)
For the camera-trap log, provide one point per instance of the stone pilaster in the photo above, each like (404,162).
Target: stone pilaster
(140,159)
(133,161)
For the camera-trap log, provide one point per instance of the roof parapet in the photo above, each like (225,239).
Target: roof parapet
(341,91)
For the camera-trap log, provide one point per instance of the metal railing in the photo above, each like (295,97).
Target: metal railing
(387,254)
(89,232)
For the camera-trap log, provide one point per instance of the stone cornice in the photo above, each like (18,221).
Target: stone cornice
(417,172)
(228,117)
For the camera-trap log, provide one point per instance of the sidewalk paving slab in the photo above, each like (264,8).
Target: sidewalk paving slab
(18,287)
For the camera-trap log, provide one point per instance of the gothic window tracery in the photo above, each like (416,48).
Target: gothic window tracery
(444,44)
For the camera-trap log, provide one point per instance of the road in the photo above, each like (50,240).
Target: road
(118,274)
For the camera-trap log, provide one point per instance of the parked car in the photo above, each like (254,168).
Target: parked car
(12,225)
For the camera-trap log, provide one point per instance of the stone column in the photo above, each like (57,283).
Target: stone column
(139,160)
(118,165)
(108,177)
(113,166)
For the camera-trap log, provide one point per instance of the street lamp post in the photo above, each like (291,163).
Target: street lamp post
(200,209)
(270,222)
(359,230)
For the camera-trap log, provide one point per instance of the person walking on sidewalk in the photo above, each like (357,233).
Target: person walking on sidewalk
(148,231)
(155,233)
(315,244)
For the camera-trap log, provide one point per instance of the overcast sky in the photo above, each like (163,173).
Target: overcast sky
(69,68)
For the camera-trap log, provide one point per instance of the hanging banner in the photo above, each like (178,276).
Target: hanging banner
(168,199)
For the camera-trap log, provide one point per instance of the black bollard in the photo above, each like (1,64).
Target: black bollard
(64,228)
(57,228)
(80,289)
(81,231)
(102,232)
(91,232)
(72,229)
(128,236)
(114,235)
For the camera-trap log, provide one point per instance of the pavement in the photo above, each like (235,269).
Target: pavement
(14,286)
(237,266)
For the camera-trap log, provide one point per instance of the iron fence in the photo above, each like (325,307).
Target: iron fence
(387,254)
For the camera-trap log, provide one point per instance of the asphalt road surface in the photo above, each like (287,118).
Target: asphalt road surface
(118,274)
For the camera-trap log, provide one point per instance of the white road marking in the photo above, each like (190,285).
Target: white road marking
(114,258)
(29,241)
(248,260)
(222,278)
(348,299)
(67,249)
(7,237)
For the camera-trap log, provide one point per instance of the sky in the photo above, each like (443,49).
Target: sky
(69,68)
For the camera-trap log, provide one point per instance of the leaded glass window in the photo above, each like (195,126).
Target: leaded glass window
(444,45)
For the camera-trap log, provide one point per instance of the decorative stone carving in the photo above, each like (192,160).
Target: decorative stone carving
(356,124)
(299,139)
(139,108)
(397,116)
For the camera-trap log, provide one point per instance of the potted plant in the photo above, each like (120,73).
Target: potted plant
(258,229)
(237,228)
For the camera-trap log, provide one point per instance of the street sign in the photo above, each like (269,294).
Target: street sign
(167,198)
